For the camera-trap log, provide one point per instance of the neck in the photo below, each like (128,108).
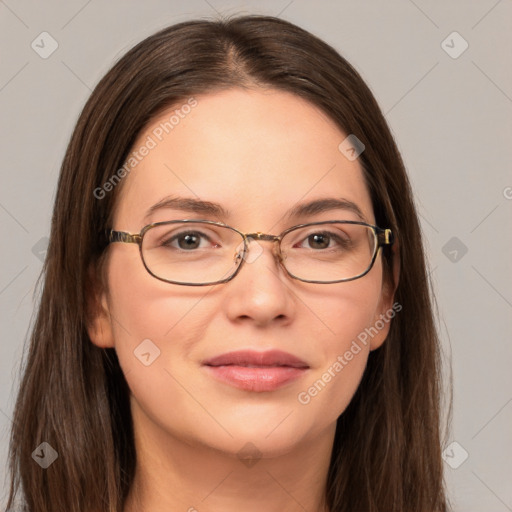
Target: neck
(176,474)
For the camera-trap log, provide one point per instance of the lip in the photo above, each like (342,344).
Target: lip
(256,371)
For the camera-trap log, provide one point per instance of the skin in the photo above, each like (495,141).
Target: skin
(257,153)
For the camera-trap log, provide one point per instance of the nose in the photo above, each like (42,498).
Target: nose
(261,292)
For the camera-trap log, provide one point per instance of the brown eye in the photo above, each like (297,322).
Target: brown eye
(324,240)
(187,241)
(318,241)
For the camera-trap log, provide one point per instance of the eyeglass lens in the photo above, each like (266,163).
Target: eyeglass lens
(196,252)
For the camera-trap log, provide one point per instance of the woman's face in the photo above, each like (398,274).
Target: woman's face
(258,154)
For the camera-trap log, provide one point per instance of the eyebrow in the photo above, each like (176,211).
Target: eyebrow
(189,204)
(314,207)
(324,205)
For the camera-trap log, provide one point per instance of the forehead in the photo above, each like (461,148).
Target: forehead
(258,153)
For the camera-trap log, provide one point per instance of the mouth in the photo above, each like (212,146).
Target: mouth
(256,371)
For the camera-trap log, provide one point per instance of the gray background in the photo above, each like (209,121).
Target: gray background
(451,118)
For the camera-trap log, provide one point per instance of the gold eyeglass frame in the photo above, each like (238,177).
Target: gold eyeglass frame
(384,237)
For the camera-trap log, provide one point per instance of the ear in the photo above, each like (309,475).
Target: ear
(387,308)
(99,326)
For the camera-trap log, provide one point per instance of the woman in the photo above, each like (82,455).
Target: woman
(235,310)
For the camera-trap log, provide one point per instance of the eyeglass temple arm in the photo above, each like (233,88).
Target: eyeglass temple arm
(122,236)
(386,237)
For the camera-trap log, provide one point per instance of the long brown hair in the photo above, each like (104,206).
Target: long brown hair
(73,395)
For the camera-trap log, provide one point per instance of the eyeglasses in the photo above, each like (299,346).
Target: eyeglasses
(205,252)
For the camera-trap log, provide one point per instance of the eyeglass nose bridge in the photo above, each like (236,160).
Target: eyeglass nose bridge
(264,237)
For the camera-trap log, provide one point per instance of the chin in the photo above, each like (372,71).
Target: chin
(272,441)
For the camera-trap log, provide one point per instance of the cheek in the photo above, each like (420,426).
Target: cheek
(347,309)
(347,312)
(155,327)
(150,316)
